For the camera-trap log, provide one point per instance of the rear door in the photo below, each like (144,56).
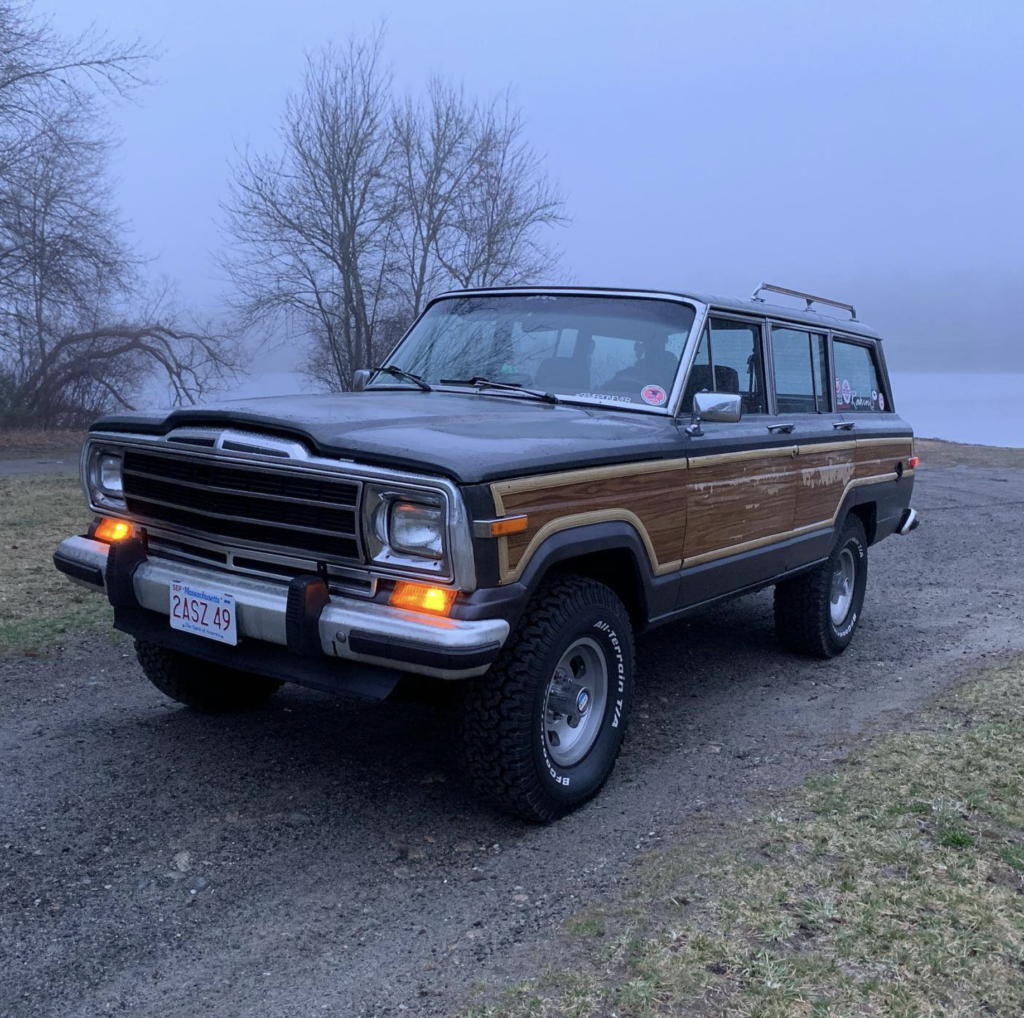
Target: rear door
(741,477)
(804,399)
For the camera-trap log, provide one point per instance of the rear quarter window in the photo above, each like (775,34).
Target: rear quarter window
(857,378)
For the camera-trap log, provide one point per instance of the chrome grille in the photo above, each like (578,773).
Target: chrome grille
(296,511)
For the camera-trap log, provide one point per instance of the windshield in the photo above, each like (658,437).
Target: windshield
(614,350)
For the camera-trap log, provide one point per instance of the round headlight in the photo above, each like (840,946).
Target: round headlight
(417,529)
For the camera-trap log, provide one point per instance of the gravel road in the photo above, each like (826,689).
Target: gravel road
(316,857)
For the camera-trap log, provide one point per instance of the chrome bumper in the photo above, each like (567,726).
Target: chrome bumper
(424,640)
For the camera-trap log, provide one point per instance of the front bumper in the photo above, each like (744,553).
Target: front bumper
(346,628)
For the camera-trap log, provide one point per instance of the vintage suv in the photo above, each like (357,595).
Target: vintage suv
(534,476)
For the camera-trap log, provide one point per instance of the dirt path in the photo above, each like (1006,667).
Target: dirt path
(338,864)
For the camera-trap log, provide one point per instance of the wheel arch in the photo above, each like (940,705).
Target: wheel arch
(612,552)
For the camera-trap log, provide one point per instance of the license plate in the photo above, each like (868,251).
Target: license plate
(203,612)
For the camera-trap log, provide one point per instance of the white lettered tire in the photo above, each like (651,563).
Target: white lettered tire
(543,728)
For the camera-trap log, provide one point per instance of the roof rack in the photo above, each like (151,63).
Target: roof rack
(809,297)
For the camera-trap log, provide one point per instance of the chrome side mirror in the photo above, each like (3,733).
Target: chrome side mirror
(715,407)
(360,378)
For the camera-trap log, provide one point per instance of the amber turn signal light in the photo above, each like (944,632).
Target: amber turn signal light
(510,525)
(112,530)
(420,598)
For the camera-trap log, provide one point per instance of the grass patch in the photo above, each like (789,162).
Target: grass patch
(38,605)
(893,885)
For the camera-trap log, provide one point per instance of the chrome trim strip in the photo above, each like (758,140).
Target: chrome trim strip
(261,607)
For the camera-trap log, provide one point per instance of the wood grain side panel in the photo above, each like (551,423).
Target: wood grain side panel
(735,501)
(880,455)
(652,499)
(825,472)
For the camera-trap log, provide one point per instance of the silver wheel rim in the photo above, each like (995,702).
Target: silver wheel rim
(575,701)
(843,579)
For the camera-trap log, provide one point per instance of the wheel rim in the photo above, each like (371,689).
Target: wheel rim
(575,702)
(844,578)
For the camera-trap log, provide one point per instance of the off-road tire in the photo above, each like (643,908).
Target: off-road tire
(803,620)
(503,716)
(200,684)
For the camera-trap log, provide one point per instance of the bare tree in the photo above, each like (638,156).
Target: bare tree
(76,337)
(374,205)
(311,229)
(439,154)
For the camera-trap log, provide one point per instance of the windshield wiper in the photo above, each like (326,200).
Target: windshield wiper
(479,382)
(407,376)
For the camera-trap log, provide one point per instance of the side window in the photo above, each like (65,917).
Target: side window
(801,371)
(857,385)
(728,359)
(735,352)
(794,371)
(819,357)
(700,373)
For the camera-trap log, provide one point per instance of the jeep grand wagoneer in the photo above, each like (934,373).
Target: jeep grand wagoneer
(532,477)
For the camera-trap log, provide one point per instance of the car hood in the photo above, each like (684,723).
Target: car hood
(470,437)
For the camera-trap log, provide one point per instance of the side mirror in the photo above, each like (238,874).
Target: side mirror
(715,407)
(360,378)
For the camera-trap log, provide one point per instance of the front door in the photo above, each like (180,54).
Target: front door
(741,481)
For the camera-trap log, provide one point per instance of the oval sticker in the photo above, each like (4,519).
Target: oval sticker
(653,394)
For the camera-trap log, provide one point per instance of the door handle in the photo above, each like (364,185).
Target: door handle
(784,429)
(842,425)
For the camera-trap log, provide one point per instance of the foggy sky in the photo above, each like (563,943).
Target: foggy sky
(872,152)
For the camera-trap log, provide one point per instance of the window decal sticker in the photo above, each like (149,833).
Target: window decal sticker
(846,392)
(604,395)
(653,394)
(881,401)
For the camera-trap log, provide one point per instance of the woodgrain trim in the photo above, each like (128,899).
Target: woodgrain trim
(509,575)
(715,459)
(650,496)
(738,549)
(589,474)
(503,492)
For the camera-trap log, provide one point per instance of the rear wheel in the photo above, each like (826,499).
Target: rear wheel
(201,684)
(543,728)
(817,613)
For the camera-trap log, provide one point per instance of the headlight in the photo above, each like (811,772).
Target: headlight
(109,471)
(406,529)
(417,529)
(103,482)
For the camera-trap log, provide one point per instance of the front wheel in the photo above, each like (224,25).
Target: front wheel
(817,613)
(543,728)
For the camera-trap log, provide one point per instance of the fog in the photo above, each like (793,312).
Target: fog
(870,152)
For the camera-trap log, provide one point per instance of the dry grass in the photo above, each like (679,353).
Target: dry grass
(937,452)
(23,443)
(38,605)
(890,886)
